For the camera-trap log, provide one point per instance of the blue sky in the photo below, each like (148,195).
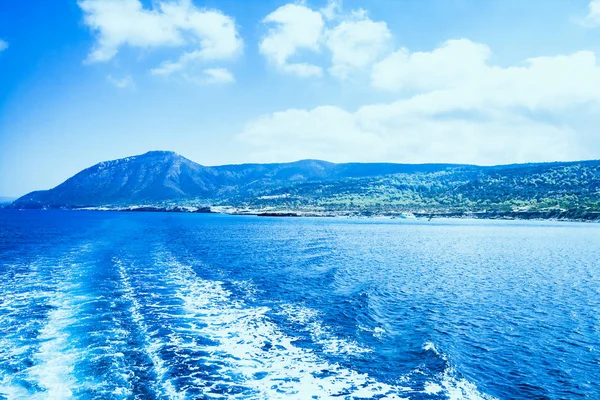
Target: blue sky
(469,81)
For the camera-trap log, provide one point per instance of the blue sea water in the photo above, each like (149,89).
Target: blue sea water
(102,305)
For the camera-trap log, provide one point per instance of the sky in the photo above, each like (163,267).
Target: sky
(232,81)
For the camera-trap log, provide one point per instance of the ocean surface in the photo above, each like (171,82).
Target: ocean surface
(108,305)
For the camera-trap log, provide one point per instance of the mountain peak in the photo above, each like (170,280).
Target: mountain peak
(160,153)
(165,176)
(149,177)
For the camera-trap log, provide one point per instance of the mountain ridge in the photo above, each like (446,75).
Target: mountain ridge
(196,181)
(167,178)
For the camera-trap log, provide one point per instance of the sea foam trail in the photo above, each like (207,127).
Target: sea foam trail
(54,361)
(162,386)
(320,334)
(255,359)
(251,357)
(448,385)
(158,331)
(37,359)
(18,319)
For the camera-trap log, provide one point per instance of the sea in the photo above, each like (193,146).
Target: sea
(133,305)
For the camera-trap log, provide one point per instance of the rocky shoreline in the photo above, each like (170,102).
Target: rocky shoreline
(544,215)
(551,215)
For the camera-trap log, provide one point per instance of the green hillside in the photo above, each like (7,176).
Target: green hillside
(562,188)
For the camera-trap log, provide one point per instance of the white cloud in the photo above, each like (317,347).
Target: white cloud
(592,19)
(449,65)
(356,44)
(218,76)
(334,134)
(297,28)
(122,83)
(459,76)
(3,45)
(119,23)
(169,67)
(453,105)
(332,10)
(209,76)
(322,132)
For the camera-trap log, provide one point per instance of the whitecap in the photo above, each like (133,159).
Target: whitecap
(151,345)
(251,350)
(321,334)
(448,384)
(55,358)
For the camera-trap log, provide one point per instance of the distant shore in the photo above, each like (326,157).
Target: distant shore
(544,215)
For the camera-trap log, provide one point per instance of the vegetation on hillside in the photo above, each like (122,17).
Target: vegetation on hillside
(167,180)
(566,187)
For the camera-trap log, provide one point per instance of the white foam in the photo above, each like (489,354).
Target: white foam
(320,334)
(247,348)
(429,346)
(378,332)
(279,371)
(447,383)
(56,350)
(432,388)
(162,386)
(11,391)
(52,372)
(240,333)
(55,359)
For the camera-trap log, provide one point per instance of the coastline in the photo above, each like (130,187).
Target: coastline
(546,215)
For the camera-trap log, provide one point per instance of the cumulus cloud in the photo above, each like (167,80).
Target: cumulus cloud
(322,132)
(458,75)
(450,65)
(3,45)
(353,40)
(218,76)
(119,23)
(371,134)
(453,105)
(592,19)
(169,67)
(209,76)
(356,44)
(296,28)
(332,10)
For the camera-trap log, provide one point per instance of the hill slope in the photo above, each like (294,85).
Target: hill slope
(154,176)
(163,176)
(166,178)
(568,190)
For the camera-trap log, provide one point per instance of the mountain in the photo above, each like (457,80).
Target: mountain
(162,178)
(548,190)
(154,176)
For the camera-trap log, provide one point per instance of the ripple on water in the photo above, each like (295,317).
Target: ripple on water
(197,338)
(246,355)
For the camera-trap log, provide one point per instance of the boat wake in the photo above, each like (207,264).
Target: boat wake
(157,330)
